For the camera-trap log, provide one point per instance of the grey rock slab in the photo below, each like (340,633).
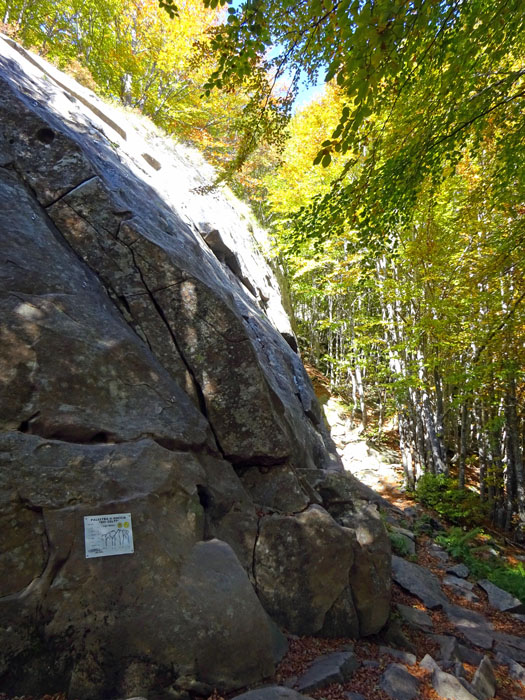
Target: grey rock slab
(404,656)
(469,656)
(500,599)
(461,588)
(141,345)
(418,619)
(428,662)
(370,574)
(468,686)
(449,687)
(459,670)
(469,596)
(279,642)
(448,648)
(476,628)
(229,512)
(277,488)
(135,354)
(270,692)
(192,288)
(459,570)
(516,670)
(438,553)
(511,640)
(398,683)
(354,696)
(337,667)
(394,636)
(457,582)
(512,652)
(511,646)
(216,611)
(484,680)
(370,663)
(403,531)
(419,582)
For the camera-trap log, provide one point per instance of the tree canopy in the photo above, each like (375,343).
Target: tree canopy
(418,80)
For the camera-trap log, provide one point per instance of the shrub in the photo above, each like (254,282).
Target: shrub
(442,494)
(399,544)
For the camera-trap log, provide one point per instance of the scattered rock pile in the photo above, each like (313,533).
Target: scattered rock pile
(442,645)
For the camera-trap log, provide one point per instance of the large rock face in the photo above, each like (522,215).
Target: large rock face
(148,367)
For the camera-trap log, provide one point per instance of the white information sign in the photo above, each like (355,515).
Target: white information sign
(106,535)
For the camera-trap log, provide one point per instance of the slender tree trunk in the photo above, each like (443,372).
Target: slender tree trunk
(481,440)
(22,12)
(125,92)
(418,431)
(440,420)
(510,478)
(514,456)
(406,452)
(359,375)
(463,444)
(430,429)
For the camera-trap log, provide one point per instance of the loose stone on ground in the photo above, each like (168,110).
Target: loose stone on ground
(484,680)
(271,692)
(418,619)
(500,599)
(418,581)
(337,667)
(459,570)
(399,684)
(448,686)
(476,628)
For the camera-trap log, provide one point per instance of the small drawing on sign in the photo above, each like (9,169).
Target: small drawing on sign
(115,538)
(108,535)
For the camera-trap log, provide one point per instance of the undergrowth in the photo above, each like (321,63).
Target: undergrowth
(473,548)
(399,544)
(442,494)
(466,541)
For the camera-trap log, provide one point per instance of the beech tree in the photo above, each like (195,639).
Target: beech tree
(439,71)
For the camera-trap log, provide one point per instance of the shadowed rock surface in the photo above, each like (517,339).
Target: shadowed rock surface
(399,684)
(148,367)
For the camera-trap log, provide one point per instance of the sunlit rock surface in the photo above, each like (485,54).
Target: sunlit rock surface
(148,368)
